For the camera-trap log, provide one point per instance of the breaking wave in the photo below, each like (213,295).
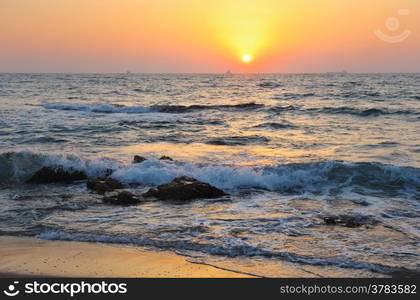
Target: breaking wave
(317,177)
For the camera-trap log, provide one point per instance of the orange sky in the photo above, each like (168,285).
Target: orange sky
(206,36)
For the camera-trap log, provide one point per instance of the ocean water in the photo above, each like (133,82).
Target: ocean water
(288,148)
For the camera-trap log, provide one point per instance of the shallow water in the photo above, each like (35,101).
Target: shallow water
(289,149)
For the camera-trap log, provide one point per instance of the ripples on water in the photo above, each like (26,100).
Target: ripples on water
(288,148)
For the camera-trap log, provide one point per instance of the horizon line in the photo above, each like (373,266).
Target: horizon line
(213,73)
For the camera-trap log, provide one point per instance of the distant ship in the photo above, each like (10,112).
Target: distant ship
(228,72)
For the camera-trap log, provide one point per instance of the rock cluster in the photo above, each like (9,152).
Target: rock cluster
(350,221)
(103,185)
(180,189)
(56,174)
(184,189)
(122,198)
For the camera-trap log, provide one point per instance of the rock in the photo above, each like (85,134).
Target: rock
(122,198)
(103,185)
(56,174)
(108,172)
(138,159)
(164,157)
(183,189)
(330,220)
(405,273)
(361,202)
(350,221)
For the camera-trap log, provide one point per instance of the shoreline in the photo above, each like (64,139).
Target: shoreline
(32,257)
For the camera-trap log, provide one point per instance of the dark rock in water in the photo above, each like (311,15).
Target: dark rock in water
(361,202)
(138,159)
(330,220)
(350,221)
(103,185)
(108,172)
(122,198)
(164,157)
(56,174)
(183,189)
(405,273)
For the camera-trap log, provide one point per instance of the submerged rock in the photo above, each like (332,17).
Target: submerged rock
(108,172)
(350,221)
(103,185)
(183,189)
(122,198)
(164,157)
(56,174)
(138,159)
(405,273)
(330,220)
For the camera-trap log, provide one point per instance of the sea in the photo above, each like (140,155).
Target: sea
(289,149)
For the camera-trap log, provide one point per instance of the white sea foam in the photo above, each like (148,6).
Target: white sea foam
(18,166)
(232,248)
(320,177)
(314,177)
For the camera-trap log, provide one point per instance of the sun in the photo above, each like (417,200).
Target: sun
(246,58)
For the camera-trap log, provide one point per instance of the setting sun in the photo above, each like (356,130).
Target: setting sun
(246,58)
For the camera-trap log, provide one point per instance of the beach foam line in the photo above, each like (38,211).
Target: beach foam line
(29,257)
(225,250)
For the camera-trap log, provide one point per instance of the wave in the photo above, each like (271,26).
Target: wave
(174,109)
(270,84)
(19,166)
(368,112)
(143,91)
(318,177)
(290,96)
(238,140)
(361,112)
(277,109)
(274,125)
(45,139)
(116,108)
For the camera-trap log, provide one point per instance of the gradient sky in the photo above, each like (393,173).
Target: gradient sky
(207,36)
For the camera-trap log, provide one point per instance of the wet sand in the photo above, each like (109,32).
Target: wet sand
(24,256)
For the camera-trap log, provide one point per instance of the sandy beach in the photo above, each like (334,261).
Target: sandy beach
(24,256)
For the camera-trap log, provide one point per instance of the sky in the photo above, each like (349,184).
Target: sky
(206,36)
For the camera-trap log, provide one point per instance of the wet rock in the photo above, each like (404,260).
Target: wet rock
(405,273)
(138,159)
(183,189)
(56,174)
(164,157)
(103,185)
(350,221)
(108,172)
(122,198)
(330,220)
(361,202)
